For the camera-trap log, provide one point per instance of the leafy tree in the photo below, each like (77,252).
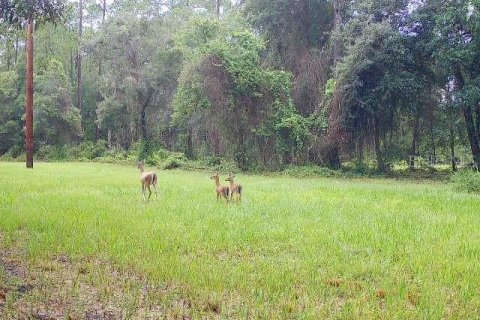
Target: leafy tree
(9,112)
(24,11)
(138,80)
(229,94)
(57,121)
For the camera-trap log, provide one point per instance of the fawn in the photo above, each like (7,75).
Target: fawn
(234,188)
(147,179)
(222,191)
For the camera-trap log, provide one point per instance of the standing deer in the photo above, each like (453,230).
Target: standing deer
(234,188)
(222,191)
(147,179)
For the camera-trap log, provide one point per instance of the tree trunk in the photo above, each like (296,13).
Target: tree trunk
(452,145)
(415,138)
(29,96)
(143,114)
(469,122)
(335,131)
(217,5)
(431,119)
(338,9)
(16,49)
(9,53)
(360,151)
(104,10)
(378,147)
(79,56)
(478,121)
(472,135)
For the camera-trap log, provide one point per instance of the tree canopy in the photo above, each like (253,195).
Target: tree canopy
(264,84)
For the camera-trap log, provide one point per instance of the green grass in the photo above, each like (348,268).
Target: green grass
(294,248)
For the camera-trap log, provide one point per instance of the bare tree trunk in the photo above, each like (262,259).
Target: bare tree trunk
(104,9)
(469,122)
(9,53)
(378,146)
(16,49)
(415,138)
(360,151)
(29,96)
(452,145)
(79,55)
(478,121)
(335,130)
(472,135)
(218,5)
(338,9)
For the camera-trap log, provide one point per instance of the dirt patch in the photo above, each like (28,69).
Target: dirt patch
(64,288)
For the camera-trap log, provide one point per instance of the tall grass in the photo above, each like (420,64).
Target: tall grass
(294,248)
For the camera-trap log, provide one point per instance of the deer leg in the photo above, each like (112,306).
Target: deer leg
(143,192)
(149,192)
(218,195)
(155,189)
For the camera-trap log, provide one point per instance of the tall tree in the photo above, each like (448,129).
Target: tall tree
(79,56)
(29,12)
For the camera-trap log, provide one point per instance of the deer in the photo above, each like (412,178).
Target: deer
(147,179)
(222,191)
(234,188)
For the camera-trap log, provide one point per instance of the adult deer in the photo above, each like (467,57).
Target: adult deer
(234,188)
(222,191)
(147,179)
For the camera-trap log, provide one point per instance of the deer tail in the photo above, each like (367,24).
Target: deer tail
(154,179)
(239,189)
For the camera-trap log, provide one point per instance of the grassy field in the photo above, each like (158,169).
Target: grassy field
(77,240)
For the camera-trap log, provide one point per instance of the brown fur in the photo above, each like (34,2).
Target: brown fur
(147,179)
(234,188)
(222,191)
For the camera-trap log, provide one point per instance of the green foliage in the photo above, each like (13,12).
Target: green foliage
(467,181)
(56,120)
(52,153)
(89,150)
(174,161)
(311,171)
(251,99)
(10,113)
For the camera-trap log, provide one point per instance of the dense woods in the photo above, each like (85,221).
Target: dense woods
(265,84)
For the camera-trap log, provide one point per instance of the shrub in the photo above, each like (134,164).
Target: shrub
(467,181)
(311,171)
(88,150)
(213,161)
(174,161)
(158,157)
(52,153)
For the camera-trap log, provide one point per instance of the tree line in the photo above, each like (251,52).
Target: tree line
(264,83)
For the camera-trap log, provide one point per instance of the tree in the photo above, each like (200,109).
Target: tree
(138,79)
(30,12)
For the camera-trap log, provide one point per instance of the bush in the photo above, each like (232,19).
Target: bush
(311,171)
(174,161)
(467,181)
(88,150)
(52,153)
(213,161)
(157,157)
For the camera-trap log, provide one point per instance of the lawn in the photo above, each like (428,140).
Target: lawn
(78,239)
